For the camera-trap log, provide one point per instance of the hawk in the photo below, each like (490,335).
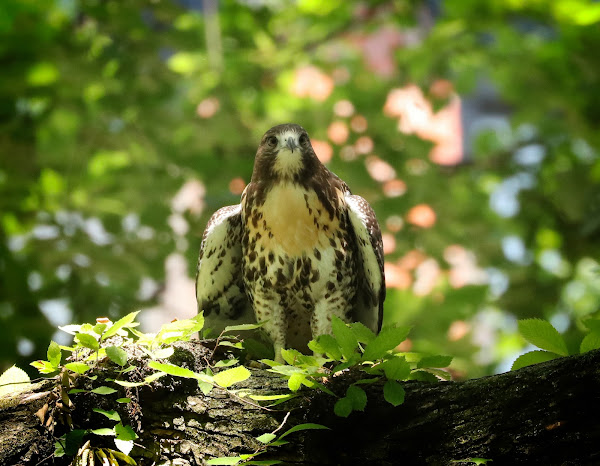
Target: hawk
(297,250)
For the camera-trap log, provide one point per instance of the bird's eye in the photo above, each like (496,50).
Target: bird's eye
(304,140)
(272,141)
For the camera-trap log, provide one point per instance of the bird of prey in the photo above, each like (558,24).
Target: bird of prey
(297,250)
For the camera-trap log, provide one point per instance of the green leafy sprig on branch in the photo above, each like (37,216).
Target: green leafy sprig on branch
(372,359)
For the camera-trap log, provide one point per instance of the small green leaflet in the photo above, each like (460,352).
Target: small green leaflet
(226,460)
(396,368)
(344,336)
(54,354)
(295,381)
(119,324)
(103,390)
(226,362)
(163,353)
(434,361)
(393,393)
(299,427)
(125,432)
(387,340)
(328,345)
(87,341)
(231,376)
(112,414)
(125,446)
(44,367)
(590,342)
(237,328)
(543,335)
(124,400)
(117,355)
(266,438)
(533,357)
(358,397)
(172,369)
(362,333)
(103,431)
(271,397)
(343,407)
(77,367)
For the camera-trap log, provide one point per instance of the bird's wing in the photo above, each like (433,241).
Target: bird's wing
(371,294)
(219,284)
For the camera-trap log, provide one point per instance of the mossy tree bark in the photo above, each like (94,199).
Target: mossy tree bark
(543,414)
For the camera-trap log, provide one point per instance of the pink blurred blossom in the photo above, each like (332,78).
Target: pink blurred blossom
(310,81)
(338,132)
(323,150)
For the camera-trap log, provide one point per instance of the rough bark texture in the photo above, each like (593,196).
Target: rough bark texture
(544,414)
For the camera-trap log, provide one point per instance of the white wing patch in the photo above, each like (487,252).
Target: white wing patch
(369,304)
(219,285)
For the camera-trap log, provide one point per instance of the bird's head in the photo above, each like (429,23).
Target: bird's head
(285,154)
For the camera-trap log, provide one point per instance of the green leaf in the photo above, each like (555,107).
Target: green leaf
(237,328)
(172,369)
(125,432)
(112,414)
(13,381)
(125,446)
(227,362)
(434,361)
(54,354)
(396,368)
(163,353)
(266,438)
(205,387)
(119,324)
(123,400)
(532,357)
(125,383)
(231,376)
(343,407)
(592,325)
(87,341)
(328,345)
(295,381)
(103,431)
(388,339)
(287,396)
(543,335)
(117,355)
(300,427)
(225,460)
(393,393)
(291,356)
(44,367)
(74,440)
(590,342)
(344,336)
(357,397)
(99,328)
(78,367)
(362,333)
(103,390)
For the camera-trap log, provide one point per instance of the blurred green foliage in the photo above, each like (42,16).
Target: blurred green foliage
(108,108)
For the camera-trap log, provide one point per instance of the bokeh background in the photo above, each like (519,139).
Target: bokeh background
(472,128)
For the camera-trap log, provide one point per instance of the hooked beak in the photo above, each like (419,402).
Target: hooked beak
(291,144)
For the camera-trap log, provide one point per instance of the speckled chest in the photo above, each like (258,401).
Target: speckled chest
(294,248)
